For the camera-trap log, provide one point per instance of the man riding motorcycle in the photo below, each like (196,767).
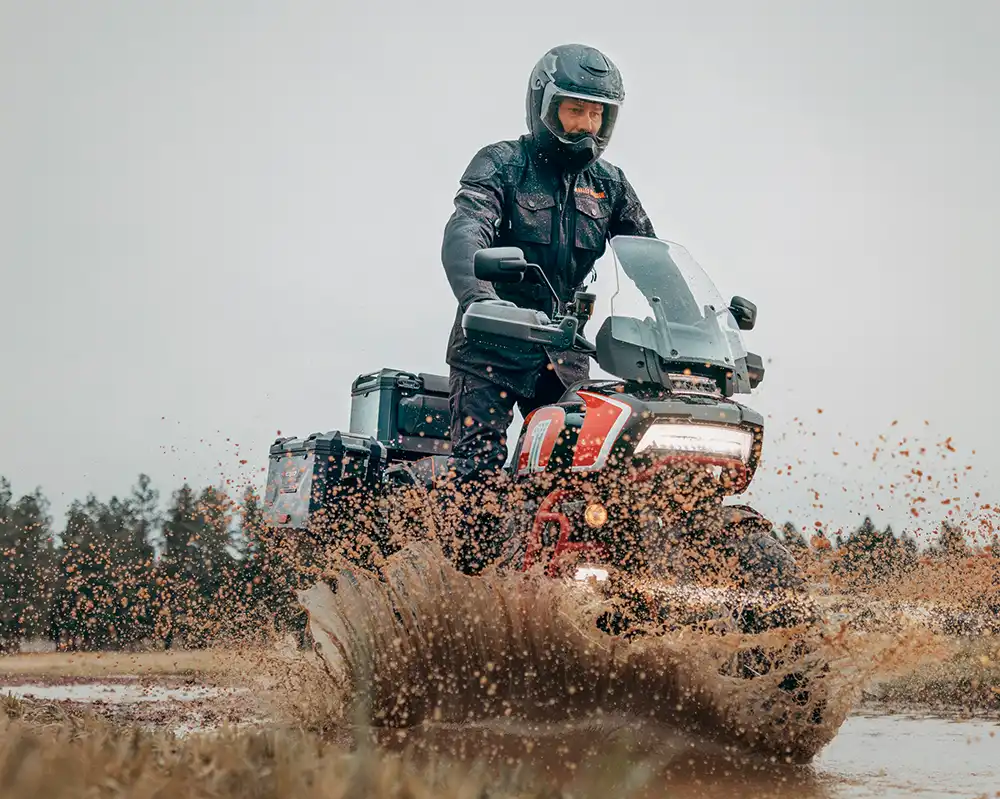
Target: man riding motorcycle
(552,194)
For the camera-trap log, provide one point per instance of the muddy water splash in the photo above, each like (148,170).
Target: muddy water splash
(427,644)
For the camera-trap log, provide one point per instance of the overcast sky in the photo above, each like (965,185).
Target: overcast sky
(213,216)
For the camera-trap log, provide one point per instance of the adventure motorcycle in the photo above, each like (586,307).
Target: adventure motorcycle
(623,484)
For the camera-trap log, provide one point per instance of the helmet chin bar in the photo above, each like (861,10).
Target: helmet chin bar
(578,155)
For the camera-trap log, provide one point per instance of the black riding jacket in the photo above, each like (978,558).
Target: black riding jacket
(509,196)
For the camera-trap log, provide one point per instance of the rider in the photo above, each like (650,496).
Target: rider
(551,194)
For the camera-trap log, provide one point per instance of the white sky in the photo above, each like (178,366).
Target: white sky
(214,216)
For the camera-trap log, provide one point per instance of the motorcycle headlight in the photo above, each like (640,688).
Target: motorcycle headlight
(697,439)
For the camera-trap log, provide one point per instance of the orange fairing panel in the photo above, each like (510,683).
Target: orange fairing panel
(602,424)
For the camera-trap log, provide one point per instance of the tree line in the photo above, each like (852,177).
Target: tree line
(871,558)
(128,573)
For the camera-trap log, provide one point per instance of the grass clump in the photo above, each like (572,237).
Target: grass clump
(48,751)
(967,683)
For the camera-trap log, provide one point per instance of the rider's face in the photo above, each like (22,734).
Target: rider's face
(580,116)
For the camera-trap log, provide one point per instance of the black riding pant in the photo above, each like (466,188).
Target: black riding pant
(481,413)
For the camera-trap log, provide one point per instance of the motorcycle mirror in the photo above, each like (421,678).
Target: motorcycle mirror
(744,311)
(500,264)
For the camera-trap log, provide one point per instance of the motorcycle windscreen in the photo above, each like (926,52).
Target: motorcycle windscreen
(657,296)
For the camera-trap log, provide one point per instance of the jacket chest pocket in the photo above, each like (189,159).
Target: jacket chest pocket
(531,217)
(592,220)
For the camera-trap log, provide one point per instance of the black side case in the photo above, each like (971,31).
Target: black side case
(334,471)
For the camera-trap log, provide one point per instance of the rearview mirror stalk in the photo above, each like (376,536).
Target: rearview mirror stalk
(507,265)
(552,291)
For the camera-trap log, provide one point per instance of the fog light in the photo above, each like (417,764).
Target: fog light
(595,515)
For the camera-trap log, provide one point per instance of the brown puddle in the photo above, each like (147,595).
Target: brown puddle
(883,755)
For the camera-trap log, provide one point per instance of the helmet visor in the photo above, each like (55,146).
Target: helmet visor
(570,116)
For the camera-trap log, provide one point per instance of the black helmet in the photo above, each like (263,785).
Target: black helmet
(580,72)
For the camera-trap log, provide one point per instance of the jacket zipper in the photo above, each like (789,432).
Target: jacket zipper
(562,201)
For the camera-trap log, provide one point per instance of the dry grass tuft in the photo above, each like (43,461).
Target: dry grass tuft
(967,683)
(46,752)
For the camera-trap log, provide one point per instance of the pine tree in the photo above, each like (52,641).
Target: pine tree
(148,517)
(26,566)
(180,529)
(84,609)
(950,543)
(267,579)
(793,538)
(197,565)
(213,564)
(910,551)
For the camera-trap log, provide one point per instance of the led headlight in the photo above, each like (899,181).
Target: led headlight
(697,439)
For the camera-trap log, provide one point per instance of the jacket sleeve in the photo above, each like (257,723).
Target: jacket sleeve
(629,217)
(473,226)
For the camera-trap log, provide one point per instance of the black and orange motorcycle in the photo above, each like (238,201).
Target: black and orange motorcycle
(629,483)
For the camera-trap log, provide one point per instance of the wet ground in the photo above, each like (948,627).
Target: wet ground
(889,755)
(875,753)
(174,703)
